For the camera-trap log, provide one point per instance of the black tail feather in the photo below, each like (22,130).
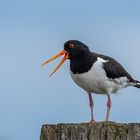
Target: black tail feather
(137,84)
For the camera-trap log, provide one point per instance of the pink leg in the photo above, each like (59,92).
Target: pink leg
(108,107)
(91,104)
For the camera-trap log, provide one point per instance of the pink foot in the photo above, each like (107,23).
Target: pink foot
(92,122)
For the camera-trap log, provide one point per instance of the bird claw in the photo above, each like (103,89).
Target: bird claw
(92,122)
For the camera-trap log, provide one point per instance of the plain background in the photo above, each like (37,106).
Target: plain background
(31,31)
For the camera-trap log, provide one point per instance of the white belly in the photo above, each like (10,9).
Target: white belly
(95,80)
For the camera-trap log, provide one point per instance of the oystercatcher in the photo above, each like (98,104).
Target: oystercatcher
(95,73)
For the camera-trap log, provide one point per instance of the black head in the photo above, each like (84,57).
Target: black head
(75,49)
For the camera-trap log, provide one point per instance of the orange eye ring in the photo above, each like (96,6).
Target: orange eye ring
(71,45)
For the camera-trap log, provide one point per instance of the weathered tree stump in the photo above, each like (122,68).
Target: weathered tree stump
(99,131)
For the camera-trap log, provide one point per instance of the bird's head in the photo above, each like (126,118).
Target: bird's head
(73,50)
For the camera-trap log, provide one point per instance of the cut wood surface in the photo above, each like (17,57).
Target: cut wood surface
(98,131)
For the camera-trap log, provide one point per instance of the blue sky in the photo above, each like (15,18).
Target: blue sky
(32,31)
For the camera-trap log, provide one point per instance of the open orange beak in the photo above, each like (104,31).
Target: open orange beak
(66,56)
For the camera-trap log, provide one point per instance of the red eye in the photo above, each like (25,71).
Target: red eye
(71,45)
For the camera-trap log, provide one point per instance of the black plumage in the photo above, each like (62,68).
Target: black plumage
(114,69)
(95,73)
(82,60)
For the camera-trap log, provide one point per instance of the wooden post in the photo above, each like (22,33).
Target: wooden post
(99,131)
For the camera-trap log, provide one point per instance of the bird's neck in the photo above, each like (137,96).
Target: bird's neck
(82,64)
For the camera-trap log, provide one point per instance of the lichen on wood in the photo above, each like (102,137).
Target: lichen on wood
(98,131)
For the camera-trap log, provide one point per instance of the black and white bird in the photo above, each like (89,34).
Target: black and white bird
(95,73)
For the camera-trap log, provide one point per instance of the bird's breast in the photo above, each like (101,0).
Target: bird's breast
(92,81)
(95,80)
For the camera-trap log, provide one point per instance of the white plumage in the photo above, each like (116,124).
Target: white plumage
(95,73)
(96,81)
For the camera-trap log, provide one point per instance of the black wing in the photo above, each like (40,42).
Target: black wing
(114,69)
